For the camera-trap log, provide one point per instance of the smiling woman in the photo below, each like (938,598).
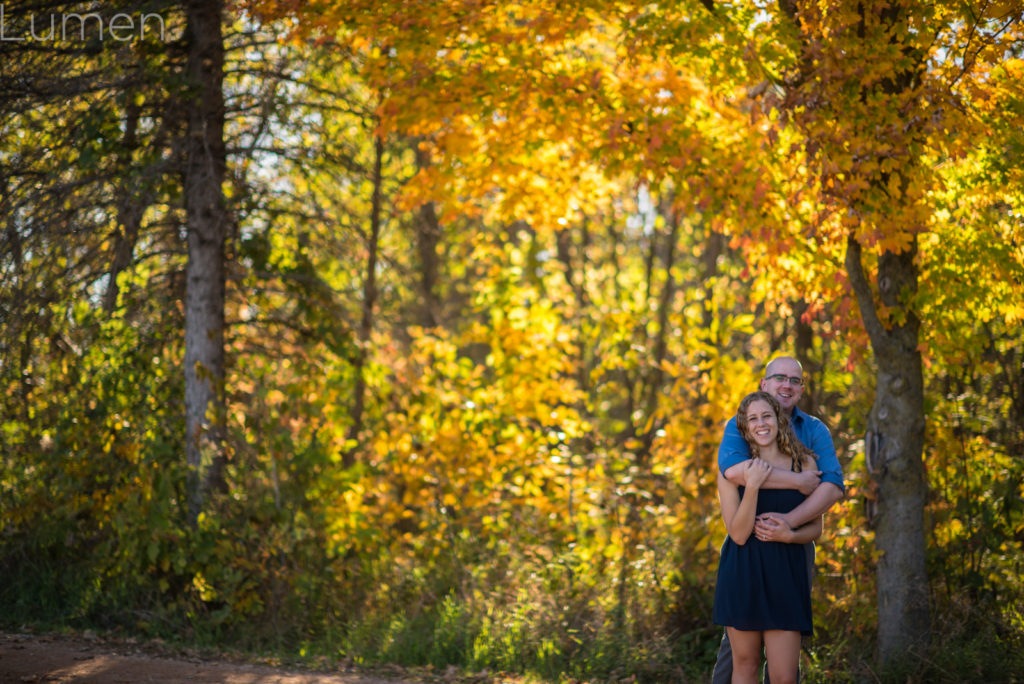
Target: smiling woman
(764,423)
(752,614)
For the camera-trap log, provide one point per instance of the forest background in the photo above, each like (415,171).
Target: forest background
(405,331)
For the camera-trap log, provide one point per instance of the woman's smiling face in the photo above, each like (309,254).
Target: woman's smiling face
(762,423)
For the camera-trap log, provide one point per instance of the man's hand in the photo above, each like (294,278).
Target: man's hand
(808,481)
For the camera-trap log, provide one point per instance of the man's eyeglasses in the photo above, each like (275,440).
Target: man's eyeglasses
(792,380)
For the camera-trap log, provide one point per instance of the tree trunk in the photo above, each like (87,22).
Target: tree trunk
(894,445)
(369,302)
(895,437)
(428,236)
(131,206)
(206,219)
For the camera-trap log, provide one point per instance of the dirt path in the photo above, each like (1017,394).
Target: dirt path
(33,658)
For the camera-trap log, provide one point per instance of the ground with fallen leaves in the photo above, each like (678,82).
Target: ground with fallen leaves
(89,659)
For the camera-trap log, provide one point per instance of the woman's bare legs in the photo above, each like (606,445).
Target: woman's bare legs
(746,655)
(783,651)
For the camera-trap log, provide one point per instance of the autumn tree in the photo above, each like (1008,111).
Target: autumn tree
(873,91)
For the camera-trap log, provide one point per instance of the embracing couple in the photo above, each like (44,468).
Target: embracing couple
(778,473)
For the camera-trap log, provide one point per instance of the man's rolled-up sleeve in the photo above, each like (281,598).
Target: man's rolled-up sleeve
(828,463)
(734,449)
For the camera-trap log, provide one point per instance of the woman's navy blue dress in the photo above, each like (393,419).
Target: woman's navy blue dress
(765,585)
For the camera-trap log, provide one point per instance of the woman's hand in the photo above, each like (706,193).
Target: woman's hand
(770,527)
(757,472)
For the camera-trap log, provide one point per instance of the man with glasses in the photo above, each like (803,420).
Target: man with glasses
(784,379)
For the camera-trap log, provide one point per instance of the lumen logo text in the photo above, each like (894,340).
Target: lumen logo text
(72,26)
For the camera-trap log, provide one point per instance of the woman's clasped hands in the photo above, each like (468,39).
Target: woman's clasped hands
(771,527)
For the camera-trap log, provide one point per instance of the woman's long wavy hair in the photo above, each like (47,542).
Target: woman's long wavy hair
(786,440)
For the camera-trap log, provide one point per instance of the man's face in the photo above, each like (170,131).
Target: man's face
(784,381)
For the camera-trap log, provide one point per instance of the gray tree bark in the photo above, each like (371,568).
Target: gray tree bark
(894,445)
(206,219)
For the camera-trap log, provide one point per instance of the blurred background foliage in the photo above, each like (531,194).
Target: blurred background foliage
(474,428)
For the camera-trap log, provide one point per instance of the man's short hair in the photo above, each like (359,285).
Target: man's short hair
(768,365)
